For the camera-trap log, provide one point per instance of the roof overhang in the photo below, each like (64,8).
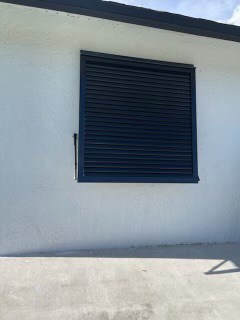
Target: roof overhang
(139,16)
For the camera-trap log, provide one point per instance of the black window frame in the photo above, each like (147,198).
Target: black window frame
(125,179)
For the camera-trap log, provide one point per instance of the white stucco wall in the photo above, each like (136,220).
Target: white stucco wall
(41,207)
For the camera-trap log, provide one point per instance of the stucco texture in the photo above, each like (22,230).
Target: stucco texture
(42,208)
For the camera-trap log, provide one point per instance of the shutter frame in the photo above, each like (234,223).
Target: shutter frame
(113,60)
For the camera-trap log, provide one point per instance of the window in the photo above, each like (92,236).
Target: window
(137,120)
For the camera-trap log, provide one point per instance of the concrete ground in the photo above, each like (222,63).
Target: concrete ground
(176,282)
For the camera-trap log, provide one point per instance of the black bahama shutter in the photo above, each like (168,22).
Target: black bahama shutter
(137,120)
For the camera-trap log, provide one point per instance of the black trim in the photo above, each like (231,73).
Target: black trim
(138,16)
(146,62)
(115,60)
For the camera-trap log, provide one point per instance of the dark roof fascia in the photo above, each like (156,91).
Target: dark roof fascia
(139,16)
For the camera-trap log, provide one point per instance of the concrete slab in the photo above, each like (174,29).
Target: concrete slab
(178,282)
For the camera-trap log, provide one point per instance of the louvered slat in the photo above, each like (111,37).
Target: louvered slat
(137,120)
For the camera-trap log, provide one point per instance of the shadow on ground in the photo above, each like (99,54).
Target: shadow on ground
(223,252)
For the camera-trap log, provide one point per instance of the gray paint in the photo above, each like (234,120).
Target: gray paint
(42,208)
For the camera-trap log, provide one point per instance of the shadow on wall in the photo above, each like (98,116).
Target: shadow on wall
(223,252)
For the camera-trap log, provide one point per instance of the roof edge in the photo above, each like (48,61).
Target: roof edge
(138,16)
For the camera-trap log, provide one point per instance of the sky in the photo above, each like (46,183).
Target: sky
(226,11)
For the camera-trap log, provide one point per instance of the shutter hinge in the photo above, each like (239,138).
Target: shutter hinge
(75,136)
